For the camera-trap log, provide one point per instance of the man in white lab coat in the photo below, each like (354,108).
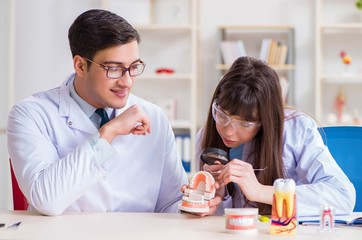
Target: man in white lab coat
(68,157)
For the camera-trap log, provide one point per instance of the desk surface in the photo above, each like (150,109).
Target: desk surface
(143,226)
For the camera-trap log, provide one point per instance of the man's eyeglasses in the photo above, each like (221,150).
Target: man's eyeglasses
(115,72)
(223,119)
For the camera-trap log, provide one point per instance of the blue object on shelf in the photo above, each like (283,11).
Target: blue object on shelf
(186,166)
(183,142)
(345,145)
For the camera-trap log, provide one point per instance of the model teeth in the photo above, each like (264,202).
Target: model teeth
(284,190)
(193,201)
(200,190)
(205,178)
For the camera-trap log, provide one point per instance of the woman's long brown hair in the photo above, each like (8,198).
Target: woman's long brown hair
(251,89)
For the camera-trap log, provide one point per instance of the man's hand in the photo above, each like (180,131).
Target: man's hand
(134,120)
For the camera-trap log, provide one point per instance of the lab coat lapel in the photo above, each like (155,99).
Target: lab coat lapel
(71,111)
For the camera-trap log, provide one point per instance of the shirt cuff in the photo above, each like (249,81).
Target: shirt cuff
(101,148)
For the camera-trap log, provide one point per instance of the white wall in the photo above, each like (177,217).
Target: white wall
(43,59)
(4,103)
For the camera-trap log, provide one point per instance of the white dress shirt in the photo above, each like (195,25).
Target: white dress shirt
(62,164)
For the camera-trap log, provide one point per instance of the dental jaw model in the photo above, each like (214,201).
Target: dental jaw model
(198,193)
(284,216)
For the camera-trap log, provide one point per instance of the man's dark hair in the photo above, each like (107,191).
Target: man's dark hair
(98,29)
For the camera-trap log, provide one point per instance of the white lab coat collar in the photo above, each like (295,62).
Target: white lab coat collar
(70,109)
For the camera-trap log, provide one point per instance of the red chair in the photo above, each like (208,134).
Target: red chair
(19,200)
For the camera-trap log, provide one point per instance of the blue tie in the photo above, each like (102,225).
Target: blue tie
(103,114)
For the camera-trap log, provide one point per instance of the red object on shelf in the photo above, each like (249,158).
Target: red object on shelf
(342,54)
(164,70)
(346,59)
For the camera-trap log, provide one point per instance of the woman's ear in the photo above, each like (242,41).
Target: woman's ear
(80,65)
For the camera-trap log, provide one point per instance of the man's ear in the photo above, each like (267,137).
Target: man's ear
(80,65)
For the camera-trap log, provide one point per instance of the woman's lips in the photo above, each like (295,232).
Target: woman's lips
(228,142)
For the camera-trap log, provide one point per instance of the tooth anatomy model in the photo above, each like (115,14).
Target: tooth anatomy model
(198,193)
(283,218)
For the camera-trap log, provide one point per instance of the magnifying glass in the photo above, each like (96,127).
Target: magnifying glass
(211,155)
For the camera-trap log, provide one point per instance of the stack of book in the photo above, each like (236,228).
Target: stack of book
(183,142)
(273,52)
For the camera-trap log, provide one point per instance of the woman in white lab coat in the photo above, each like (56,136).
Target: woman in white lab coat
(266,140)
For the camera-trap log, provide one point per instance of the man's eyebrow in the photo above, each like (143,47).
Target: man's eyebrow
(120,63)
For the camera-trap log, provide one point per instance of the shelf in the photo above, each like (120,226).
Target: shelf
(169,39)
(337,29)
(163,27)
(341,26)
(273,44)
(286,67)
(181,124)
(342,79)
(257,27)
(164,77)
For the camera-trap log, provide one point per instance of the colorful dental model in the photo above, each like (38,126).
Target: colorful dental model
(326,219)
(284,216)
(346,59)
(198,193)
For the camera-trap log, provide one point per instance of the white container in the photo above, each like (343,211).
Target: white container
(241,220)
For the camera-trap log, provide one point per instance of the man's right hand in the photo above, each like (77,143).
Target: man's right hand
(134,120)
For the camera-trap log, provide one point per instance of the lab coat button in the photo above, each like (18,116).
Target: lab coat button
(70,123)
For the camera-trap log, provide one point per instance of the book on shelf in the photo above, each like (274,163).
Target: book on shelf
(283,54)
(183,142)
(284,85)
(264,49)
(231,50)
(352,219)
(273,52)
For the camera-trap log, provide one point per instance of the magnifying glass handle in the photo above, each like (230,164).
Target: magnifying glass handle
(231,188)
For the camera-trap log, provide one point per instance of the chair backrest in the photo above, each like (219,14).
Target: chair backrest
(345,145)
(19,200)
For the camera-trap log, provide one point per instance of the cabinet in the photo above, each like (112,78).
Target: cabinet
(169,38)
(272,43)
(338,85)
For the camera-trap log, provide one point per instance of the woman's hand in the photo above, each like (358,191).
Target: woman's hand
(213,205)
(242,173)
